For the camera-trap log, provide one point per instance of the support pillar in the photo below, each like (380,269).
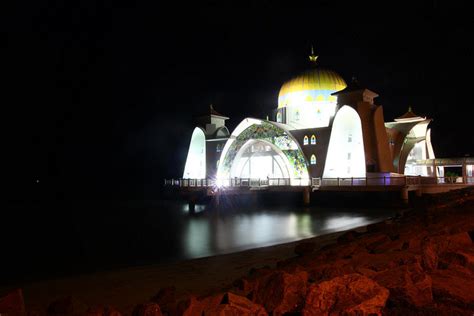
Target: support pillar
(464,171)
(192,207)
(306,196)
(404,194)
(217,199)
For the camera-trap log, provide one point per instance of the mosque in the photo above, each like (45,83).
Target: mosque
(322,128)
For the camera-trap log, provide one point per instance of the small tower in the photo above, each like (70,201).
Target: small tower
(212,122)
(376,146)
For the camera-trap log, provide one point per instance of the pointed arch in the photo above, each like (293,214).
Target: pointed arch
(195,167)
(313,139)
(346,141)
(313,159)
(305,140)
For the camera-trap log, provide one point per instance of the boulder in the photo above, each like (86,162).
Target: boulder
(281,292)
(166,299)
(190,306)
(409,285)
(66,306)
(13,303)
(460,257)
(147,309)
(432,248)
(351,294)
(375,241)
(384,261)
(459,239)
(347,237)
(232,304)
(454,287)
(327,271)
(102,311)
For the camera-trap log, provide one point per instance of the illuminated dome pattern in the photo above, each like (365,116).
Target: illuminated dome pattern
(307,100)
(312,85)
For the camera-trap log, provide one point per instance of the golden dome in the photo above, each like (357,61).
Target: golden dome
(315,84)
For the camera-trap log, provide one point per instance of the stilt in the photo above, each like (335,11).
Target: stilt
(404,194)
(192,207)
(216,200)
(306,196)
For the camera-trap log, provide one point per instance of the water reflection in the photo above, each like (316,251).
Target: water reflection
(233,230)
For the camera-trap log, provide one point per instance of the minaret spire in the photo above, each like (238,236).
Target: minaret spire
(313,57)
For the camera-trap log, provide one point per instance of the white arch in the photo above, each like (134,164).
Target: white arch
(195,167)
(346,157)
(418,152)
(277,135)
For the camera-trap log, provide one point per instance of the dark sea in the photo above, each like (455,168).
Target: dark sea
(84,237)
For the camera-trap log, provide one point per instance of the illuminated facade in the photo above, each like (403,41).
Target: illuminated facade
(322,128)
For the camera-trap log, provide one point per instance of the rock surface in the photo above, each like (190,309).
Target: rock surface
(13,304)
(351,294)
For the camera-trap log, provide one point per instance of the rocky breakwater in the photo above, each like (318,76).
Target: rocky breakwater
(418,263)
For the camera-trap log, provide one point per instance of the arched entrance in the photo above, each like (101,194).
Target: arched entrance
(259,159)
(261,149)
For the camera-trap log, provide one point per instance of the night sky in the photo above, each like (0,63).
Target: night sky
(100,95)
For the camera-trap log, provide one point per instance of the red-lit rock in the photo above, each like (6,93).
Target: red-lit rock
(147,309)
(65,306)
(352,294)
(13,303)
(190,307)
(232,304)
(381,262)
(327,271)
(373,242)
(281,292)
(166,299)
(102,311)
(454,287)
(461,257)
(459,239)
(409,285)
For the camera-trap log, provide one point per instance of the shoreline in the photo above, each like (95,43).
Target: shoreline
(125,287)
(416,261)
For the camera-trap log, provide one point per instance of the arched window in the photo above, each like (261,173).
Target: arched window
(279,117)
(297,115)
(313,140)
(218,148)
(305,140)
(313,159)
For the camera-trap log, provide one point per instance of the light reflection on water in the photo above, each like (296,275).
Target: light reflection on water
(87,237)
(225,232)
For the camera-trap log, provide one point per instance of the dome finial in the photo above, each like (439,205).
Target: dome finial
(312,57)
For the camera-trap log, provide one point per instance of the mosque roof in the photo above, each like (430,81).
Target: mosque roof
(310,83)
(409,116)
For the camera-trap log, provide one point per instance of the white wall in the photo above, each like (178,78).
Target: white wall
(195,167)
(345,156)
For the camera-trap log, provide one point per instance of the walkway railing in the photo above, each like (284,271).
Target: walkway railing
(320,182)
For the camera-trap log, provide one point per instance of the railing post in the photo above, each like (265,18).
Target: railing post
(352,181)
(383,180)
(338,182)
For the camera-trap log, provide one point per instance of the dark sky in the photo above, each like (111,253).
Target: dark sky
(100,95)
